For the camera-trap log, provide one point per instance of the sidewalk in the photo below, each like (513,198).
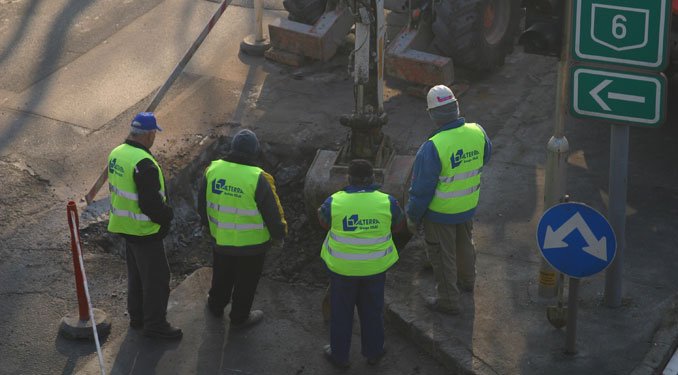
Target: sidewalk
(288,341)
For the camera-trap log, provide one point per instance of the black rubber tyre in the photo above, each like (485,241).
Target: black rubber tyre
(305,11)
(476,34)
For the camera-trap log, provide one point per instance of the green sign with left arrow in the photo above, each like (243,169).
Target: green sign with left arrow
(616,96)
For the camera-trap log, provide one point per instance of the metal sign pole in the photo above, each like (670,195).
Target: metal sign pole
(557,150)
(571,333)
(619,161)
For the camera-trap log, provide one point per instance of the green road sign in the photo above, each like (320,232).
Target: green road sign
(621,97)
(624,32)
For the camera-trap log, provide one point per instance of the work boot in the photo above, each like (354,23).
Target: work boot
(255,317)
(375,360)
(327,351)
(215,311)
(166,332)
(136,324)
(433,304)
(468,288)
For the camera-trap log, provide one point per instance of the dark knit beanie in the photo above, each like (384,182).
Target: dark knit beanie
(444,114)
(360,169)
(245,143)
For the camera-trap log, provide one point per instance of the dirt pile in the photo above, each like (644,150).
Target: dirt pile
(189,246)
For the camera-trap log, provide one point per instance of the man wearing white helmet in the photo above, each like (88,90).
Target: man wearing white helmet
(444,196)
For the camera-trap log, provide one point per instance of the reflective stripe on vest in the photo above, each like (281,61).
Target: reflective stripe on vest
(234,219)
(235,226)
(461,151)
(125,214)
(359,242)
(233,210)
(458,193)
(353,256)
(127,194)
(460,176)
(132,215)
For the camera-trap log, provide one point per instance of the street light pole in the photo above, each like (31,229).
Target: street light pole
(557,149)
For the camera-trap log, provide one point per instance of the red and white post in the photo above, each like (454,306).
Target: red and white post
(80,325)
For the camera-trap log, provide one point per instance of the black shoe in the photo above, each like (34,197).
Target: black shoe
(327,351)
(166,332)
(432,304)
(375,360)
(215,311)
(255,317)
(467,288)
(136,324)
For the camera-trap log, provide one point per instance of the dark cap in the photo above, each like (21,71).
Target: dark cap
(245,143)
(360,168)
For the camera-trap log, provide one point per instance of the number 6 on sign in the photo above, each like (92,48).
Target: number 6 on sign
(619,18)
(624,32)
(619,27)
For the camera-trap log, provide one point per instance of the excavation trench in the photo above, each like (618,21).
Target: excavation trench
(189,246)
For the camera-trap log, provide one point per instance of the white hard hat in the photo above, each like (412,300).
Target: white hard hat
(439,96)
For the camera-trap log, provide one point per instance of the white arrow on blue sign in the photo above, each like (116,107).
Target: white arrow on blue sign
(576,240)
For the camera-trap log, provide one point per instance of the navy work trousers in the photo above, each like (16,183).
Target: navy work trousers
(367,293)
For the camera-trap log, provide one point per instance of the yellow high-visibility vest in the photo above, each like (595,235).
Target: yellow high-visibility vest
(125,214)
(359,242)
(234,218)
(461,151)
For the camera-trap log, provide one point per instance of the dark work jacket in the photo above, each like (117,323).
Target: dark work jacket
(267,204)
(150,201)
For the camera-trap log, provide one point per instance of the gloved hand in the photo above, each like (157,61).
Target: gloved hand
(412,226)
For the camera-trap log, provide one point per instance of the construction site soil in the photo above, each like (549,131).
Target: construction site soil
(189,245)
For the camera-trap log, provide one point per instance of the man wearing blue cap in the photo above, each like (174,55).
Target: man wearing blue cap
(140,213)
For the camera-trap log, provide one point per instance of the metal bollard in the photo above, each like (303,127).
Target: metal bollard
(256,44)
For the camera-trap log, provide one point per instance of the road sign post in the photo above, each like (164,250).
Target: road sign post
(578,241)
(619,160)
(610,35)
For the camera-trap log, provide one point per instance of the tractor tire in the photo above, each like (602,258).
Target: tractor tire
(305,11)
(476,34)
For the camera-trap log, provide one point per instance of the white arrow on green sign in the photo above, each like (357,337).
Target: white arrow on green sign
(631,98)
(623,32)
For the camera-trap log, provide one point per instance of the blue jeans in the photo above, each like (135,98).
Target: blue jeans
(367,293)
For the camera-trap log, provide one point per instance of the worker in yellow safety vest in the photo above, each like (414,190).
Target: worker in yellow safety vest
(444,195)
(238,202)
(140,213)
(358,250)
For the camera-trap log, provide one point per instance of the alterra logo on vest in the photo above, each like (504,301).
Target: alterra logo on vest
(460,157)
(220,187)
(116,169)
(353,222)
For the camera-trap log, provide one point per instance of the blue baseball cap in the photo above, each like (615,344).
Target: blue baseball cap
(145,121)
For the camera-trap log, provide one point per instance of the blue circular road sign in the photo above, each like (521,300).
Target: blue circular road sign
(576,240)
